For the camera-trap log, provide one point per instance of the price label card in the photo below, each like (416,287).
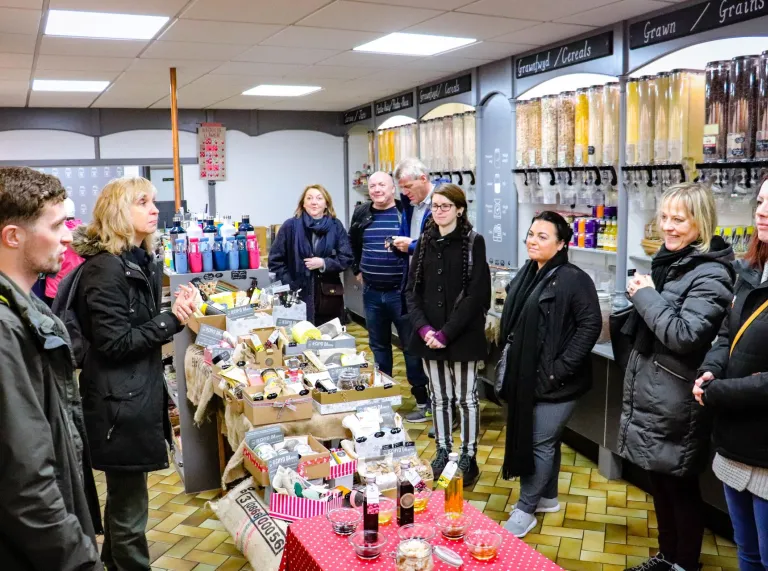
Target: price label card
(208,336)
(242,312)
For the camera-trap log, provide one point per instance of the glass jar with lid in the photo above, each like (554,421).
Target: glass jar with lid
(500,282)
(595,130)
(458,142)
(742,107)
(686,117)
(611,106)
(521,124)
(633,113)
(761,143)
(661,118)
(469,140)
(715,140)
(448,143)
(646,121)
(549,131)
(566,120)
(581,127)
(534,132)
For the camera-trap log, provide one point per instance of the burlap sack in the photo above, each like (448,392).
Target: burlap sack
(256,534)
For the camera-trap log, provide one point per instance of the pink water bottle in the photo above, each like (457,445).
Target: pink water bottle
(195,256)
(254,258)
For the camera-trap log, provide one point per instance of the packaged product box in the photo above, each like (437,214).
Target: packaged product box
(217,321)
(312,466)
(290,508)
(287,408)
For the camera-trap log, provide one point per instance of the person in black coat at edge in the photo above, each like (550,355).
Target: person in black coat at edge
(550,323)
(124,396)
(310,251)
(448,299)
(49,508)
(733,384)
(678,310)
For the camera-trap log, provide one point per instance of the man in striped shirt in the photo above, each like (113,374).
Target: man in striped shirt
(383,271)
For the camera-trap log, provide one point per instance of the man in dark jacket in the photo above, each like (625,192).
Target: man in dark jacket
(383,270)
(46,517)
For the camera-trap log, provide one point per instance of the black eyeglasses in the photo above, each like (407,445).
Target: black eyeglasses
(443,207)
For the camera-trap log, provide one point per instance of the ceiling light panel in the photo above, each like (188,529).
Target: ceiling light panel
(414,44)
(282,90)
(103,25)
(69,86)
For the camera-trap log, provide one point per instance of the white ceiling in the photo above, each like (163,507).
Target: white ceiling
(223,47)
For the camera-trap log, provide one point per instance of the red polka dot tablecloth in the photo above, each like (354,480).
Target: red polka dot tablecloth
(312,546)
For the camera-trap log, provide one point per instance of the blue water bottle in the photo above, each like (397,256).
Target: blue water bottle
(233,254)
(180,257)
(205,250)
(220,262)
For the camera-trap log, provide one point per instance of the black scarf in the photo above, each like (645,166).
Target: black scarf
(520,328)
(660,266)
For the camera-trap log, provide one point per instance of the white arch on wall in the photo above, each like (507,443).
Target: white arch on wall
(147,144)
(45,145)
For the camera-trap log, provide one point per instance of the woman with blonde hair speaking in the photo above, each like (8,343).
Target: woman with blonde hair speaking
(124,398)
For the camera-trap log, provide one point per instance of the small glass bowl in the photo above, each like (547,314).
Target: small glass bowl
(421,499)
(483,544)
(368,544)
(344,521)
(416,531)
(387,510)
(453,526)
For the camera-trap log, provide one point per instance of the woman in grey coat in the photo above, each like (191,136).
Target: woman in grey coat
(678,311)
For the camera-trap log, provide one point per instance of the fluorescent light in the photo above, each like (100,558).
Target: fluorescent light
(103,25)
(414,44)
(282,90)
(70,86)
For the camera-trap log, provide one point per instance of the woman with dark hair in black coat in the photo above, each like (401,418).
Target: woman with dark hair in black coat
(551,321)
(448,298)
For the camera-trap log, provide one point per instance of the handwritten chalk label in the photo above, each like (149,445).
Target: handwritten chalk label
(393,104)
(565,55)
(445,89)
(359,114)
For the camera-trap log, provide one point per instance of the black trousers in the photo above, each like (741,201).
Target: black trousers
(680,513)
(125,520)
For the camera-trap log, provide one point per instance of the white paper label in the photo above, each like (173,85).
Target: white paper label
(413,477)
(448,473)
(736,144)
(372,495)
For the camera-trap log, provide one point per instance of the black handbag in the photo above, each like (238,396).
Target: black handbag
(329,297)
(621,342)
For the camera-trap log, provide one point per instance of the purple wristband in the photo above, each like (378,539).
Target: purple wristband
(441,338)
(424,330)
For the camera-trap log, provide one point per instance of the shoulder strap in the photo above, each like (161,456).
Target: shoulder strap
(4,301)
(746,325)
(470,260)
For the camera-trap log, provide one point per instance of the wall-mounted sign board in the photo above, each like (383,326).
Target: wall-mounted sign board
(693,20)
(565,55)
(444,89)
(393,104)
(359,114)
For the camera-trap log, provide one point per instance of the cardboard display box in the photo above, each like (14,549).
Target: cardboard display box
(313,466)
(282,409)
(217,321)
(291,509)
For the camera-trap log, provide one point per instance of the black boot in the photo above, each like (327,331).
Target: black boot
(438,464)
(655,563)
(468,466)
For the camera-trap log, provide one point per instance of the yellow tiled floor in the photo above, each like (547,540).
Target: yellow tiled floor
(603,526)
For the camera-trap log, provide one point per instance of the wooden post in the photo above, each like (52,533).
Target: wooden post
(175,135)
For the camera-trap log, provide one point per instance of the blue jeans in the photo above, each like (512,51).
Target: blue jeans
(382,309)
(749,516)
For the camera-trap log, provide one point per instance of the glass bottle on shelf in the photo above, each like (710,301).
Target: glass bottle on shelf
(581,127)
(533,124)
(742,107)
(761,143)
(469,140)
(391,149)
(686,117)
(646,120)
(715,139)
(611,105)
(549,131)
(661,118)
(371,149)
(566,120)
(521,129)
(382,144)
(633,114)
(595,131)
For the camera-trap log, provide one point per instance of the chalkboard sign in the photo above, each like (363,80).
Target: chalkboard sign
(445,89)
(239,275)
(242,312)
(271,435)
(359,114)
(393,104)
(290,460)
(209,335)
(565,55)
(694,19)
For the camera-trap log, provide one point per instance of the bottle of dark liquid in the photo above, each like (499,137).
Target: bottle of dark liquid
(371,510)
(245,228)
(405,495)
(210,231)
(254,285)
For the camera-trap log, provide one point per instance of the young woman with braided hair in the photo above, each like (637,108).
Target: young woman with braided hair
(448,297)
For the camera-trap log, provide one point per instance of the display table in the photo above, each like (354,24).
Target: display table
(311,545)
